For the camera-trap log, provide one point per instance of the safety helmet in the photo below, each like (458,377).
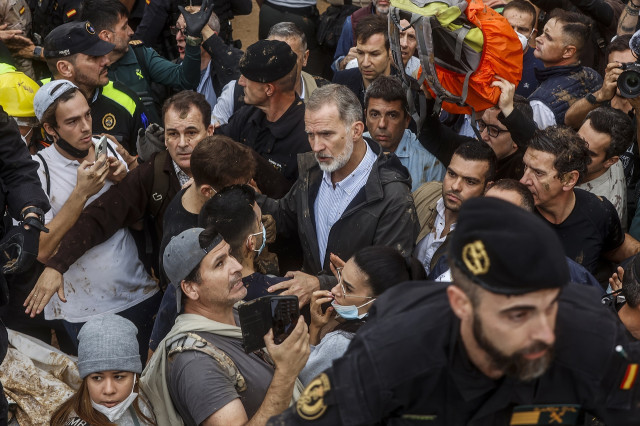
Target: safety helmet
(16,94)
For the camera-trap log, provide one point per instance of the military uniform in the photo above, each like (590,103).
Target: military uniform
(408,366)
(141,66)
(116,110)
(48,14)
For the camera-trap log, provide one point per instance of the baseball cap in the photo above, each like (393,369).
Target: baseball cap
(182,255)
(48,94)
(506,249)
(267,60)
(75,37)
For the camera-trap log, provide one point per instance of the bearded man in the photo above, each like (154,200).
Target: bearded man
(349,193)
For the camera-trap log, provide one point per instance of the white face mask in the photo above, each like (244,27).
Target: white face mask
(524,39)
(114,413)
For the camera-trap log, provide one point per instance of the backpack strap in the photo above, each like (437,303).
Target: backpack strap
(46,173)
(113,151)
(194,342)
(160,188)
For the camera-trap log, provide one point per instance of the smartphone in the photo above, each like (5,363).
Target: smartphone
(258,316)
(100,146)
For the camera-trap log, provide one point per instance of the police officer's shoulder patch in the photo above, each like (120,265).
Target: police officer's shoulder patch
(311,404)
(561,414)
(109,121)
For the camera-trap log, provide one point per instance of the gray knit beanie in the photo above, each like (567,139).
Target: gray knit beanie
(108,343)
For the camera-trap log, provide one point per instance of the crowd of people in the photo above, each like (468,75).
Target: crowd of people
(478,267)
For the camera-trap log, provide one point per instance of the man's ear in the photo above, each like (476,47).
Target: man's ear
(65,69)
(190,289)
(305,58)
(49,129)
(207,191)
(569,51)
(269,89)
(210,130)
(569,180)
(459,302)
(610,161)
(105,35)
(357,130)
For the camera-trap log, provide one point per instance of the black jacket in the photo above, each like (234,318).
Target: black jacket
(19,179)
(408,366)
(382,213)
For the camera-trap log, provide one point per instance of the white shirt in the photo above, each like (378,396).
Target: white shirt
(108,278)
(542,114)
(331,202)
(427,246)
(613,186)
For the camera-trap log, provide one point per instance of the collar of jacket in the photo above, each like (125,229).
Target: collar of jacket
(546,73)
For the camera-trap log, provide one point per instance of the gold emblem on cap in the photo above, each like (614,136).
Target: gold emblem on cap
(476,258)
(311,405)
(109,121)
(89,28)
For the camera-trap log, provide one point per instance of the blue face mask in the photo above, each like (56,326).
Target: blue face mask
(264,240)
(350,312)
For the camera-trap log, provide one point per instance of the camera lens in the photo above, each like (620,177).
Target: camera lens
(629,83)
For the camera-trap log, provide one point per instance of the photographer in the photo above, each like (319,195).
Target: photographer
(200,373)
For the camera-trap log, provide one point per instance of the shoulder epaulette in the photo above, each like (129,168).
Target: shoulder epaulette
(135,42)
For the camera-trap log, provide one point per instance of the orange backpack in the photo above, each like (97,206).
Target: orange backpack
(460,53)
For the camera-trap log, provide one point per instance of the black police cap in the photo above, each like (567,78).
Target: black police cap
(75,37)
(506,249)
(267,60)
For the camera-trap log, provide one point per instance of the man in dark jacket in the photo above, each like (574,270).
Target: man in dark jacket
(349,194)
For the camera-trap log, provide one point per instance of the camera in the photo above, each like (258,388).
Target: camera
(629,80)
(258,316)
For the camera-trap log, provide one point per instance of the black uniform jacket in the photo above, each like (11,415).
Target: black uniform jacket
(408,366)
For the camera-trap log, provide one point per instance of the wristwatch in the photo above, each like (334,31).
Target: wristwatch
(37,211)
(37,52)
(592,99)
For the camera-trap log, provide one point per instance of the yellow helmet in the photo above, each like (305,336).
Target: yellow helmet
(16,94)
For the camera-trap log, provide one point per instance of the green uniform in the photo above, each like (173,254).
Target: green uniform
(117,111)
(141,66)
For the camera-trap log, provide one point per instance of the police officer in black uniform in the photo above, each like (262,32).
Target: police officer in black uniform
(22,198)
(509,342)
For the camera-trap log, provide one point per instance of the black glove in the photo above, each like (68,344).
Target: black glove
(150,140)
(19,248)
(196,21)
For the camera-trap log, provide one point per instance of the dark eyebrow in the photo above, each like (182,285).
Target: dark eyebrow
(527,307)
(347,284)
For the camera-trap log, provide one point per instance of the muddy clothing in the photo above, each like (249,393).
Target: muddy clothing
(279,142)
(382,213)
(591,229)
(561,86)
(409,366)
(123,205)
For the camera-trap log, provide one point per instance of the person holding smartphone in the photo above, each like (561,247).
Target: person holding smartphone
(337,315)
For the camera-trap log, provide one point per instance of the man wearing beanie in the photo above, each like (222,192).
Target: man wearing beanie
(509,342)
(272,121)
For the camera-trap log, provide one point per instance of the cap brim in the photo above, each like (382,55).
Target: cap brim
(100,48)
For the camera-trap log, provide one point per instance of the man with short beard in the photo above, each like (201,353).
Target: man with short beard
(74,52)
(472,167)
(349,194)
(510,341)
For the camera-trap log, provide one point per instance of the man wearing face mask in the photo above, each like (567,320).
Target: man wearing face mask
(522,17)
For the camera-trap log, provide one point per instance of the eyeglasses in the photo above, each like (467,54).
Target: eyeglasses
(344,290)
(494,131)
(176,29)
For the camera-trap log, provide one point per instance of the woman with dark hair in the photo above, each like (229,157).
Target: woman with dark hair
(361,280)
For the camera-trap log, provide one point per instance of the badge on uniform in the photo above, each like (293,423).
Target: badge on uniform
(109,121)
(139,73)
(71,13)
(561,414)
(311,405)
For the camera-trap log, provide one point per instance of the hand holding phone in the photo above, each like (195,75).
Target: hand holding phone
(100,146)
(277,313)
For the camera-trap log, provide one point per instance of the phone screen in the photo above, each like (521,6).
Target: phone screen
(284,313)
